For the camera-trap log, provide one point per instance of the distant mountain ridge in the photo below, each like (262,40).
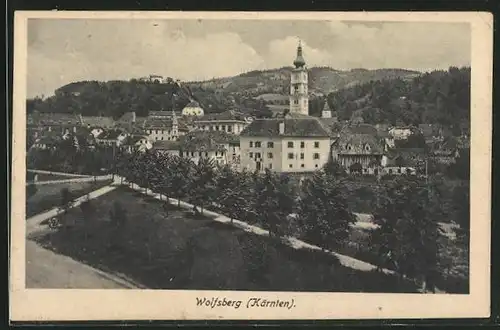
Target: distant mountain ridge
(114,98)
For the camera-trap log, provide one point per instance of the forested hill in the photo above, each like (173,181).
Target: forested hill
(436,97)
(113,98)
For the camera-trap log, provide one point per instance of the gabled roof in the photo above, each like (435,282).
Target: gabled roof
(98,121)
(193,104)
(166,145)
(111,134)
(294,127)
(359,144)
(206,140)
(133,139)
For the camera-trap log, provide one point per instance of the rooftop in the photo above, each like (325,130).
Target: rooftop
(295,126)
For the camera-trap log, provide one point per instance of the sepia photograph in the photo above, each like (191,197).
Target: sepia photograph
(251,165)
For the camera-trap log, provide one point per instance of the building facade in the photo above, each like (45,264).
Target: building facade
(229,121)
(285,145)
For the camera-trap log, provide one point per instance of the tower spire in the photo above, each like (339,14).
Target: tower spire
(299,60)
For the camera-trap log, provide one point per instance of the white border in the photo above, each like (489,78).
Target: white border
(41,304)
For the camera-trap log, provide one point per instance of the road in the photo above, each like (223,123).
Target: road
(48,270)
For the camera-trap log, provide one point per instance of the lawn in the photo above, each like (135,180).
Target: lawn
(177,251)
(48,196)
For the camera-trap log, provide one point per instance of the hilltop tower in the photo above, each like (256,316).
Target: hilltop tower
(299,100)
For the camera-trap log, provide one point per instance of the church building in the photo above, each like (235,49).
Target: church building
(294,142)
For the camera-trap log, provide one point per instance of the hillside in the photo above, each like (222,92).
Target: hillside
(437,97)
(113,98)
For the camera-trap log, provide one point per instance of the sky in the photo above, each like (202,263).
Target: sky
(61,51)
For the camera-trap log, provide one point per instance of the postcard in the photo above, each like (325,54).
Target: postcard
(251,165)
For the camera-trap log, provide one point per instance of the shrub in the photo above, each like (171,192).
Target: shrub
(118,214)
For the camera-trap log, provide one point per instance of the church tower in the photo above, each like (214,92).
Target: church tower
(299,101)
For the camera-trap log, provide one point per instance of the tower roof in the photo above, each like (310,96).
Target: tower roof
(299,60)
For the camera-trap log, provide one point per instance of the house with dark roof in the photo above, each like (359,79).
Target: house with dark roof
(293,143)
(165,128)
(446,151)
(358,152)
(137,143)
(222,147)
(398,161)
(230,121)
(111,137)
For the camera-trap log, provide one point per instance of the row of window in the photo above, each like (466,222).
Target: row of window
(168,139)
(159,131)
(290,155)
(224,128)
(270,166)
(290,144)
(200,154)
(297,102)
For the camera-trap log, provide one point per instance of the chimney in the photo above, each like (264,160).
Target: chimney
(282,127)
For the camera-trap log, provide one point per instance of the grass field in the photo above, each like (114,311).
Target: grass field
(177,251)
(48,196)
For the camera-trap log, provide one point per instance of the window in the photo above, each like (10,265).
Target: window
(257,144)
(316,144)
(316,156)
(290,165)
(157,131)
(399,170)
(162,137)
(199,153)
(295,101)
(302,144)
(206,154)
(230,129)
(302,165)
(290,155)
(270,144)
(192,153)
(216,154)
(316,165)
(251,155)
(223,127)
(180,153)
(216,127)
(251,144)
(270,155)
(270,166)
(257,155)
(290,144)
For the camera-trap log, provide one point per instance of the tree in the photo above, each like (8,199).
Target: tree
(203,183)
(67,200)
(334,169)
(232,192)
(324,215)
(182,174)
(407,237)
(275,201)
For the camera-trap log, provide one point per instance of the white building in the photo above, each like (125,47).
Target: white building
(193,109)
(290,144)
(401,133)
(229,121)
(164,128)
(299,100)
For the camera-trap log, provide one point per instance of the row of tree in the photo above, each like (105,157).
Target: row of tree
(316,209)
